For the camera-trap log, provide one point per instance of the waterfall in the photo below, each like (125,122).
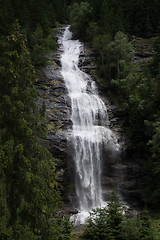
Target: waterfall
(90,132)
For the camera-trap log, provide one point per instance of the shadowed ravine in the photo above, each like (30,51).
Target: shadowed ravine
(90,133)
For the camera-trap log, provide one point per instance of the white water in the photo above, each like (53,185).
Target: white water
(90,133)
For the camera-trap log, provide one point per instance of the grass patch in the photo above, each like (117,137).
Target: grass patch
(54,126)
(55,110)
(51,62)
(55,82)
(44,87)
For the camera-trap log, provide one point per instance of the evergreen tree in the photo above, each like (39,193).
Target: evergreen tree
(121,61)
(104,223)
(145,230)
(115,216)
(29,196)
(80,18)
(98,226)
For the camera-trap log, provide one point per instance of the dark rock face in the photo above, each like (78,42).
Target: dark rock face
(87,60)
(54,95)
(144,50)
(57,109)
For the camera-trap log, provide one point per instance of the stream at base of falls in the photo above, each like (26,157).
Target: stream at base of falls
(90,133)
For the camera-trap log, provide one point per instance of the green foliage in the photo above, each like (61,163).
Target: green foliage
(92,31)
(137,96)
(155,141)
(142,17)
(130,229)
(137,228)
(109,223)
(115,211)
(116,62)
(111,17)
(101,44)
(134,17)
(40,45)
(98,225)
(29,195)
(80,17)
(104,223)
(134,88)
(55,126)
(145,230)
(121,62)
(37,20)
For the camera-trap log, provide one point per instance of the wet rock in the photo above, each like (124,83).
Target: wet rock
(56,56)
(57,144)
(53,73)
(54,94)
(74,211)
(108,182)
(131,213)
(61,175)
(87,60)
(88,68)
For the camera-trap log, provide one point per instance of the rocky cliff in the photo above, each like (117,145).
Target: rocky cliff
(122,172)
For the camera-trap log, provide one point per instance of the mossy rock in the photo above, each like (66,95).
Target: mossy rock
(44,87)
(55,110)
(56,82)
(93,64)
(54,126)
(56,100)
(51,62)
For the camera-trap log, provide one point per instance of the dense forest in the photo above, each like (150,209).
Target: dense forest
(134,88)
(29,197)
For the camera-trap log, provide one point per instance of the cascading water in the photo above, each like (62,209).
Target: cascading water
(89,134)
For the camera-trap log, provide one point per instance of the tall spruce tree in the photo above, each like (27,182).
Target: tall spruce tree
(28,189)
